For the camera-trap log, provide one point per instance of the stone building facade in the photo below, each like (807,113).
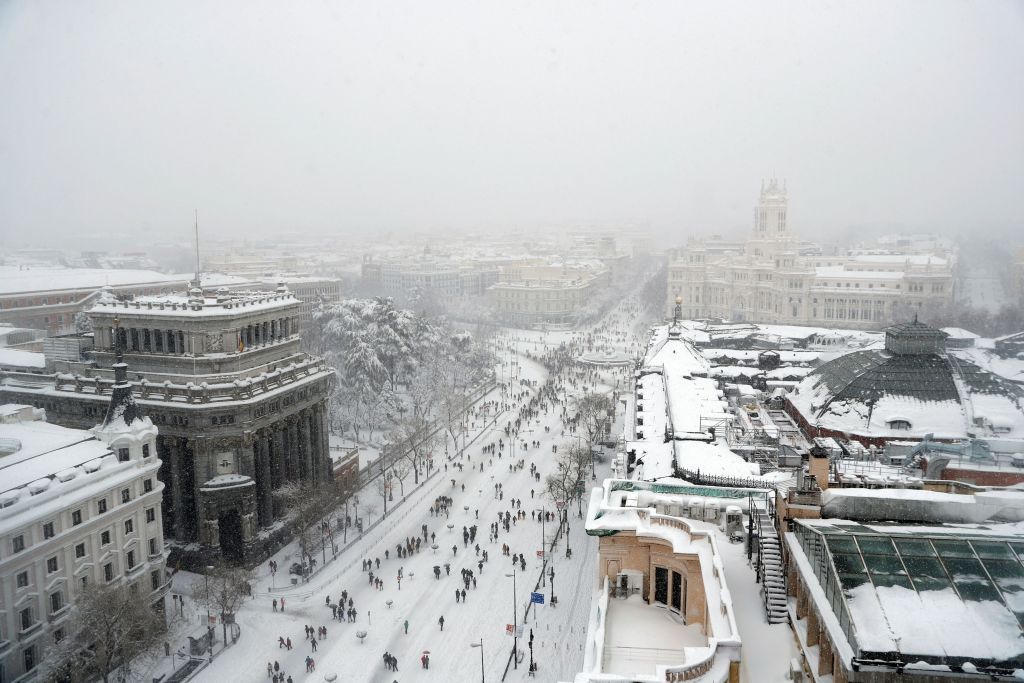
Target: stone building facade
(77,509)
(766,278)
(241,410)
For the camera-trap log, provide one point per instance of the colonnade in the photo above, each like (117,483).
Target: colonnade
(295,448)
(147,340)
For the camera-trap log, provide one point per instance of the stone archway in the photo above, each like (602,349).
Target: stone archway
(229,516)
(232,540)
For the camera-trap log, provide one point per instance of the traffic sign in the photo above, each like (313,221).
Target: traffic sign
(540,553)
(537,598)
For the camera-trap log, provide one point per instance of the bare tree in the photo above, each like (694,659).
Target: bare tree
(414,441)
(223,591)
(307,503)
(110,626)
(594,412)
(565,484)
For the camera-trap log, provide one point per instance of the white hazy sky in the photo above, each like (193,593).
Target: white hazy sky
(121,117)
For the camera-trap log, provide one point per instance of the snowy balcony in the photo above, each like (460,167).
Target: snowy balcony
(638,636)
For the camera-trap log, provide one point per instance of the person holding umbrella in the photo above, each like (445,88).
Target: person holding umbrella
(425,659)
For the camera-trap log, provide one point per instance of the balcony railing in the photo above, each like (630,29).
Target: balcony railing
(204,392)
(688,672)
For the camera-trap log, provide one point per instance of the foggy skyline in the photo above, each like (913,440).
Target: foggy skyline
(120,118)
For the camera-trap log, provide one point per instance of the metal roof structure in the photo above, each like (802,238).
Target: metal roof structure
(910,594)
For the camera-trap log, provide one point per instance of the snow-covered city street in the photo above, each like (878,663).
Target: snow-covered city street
(399,603)
(572,342)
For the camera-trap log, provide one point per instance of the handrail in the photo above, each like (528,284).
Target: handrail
(688,672)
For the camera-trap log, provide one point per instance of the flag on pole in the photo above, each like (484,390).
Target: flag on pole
(537,598)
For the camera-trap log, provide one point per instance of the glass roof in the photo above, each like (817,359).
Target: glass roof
(977,569)
(866,376)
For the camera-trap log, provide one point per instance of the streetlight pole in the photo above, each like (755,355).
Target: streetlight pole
(565,521)
(543,548)
(515,622)
(209,628)
(481,646)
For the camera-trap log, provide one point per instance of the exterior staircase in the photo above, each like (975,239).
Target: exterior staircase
(770,571)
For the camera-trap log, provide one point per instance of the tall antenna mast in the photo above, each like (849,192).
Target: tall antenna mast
(197,246)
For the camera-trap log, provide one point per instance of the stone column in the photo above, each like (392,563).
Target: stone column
(305,429)
(326,432)
(277,463)
(813,626)
(291,451)
(320,423)
(263,479)
(824,655)
(174,451)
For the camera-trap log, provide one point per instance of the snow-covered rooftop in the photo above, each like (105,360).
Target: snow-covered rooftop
(937,595)
(177,305)
(675,397)
(843,272)
(15,280)
(21,359)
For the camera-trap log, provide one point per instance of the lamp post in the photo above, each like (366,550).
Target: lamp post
(206,588)
(515,622)
(209,628)
(543,548)
(565,520)
(481,646)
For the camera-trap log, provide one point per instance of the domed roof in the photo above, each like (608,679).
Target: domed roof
(912,382)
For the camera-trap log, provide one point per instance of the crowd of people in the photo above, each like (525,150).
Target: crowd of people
(533,406)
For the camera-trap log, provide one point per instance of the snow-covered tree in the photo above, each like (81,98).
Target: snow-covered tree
(83,323)
(412,442)
(564,484)
(593,412)
(307,504)
(224,590)
(109,627)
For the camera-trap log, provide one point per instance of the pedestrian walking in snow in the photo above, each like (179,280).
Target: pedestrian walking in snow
(439,621)
(406,627)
